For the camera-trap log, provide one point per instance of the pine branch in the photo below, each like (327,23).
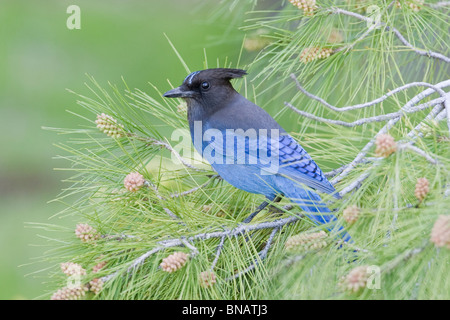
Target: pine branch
(241,230)
(427,53)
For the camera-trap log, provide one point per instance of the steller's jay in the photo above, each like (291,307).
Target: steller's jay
(248,148)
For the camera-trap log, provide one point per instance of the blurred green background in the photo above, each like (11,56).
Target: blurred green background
(39,58)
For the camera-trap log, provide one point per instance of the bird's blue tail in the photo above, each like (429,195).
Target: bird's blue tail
(316,210)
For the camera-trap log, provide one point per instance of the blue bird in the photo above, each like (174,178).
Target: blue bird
(249,149)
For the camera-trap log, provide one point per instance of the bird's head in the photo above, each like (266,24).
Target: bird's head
(206,85)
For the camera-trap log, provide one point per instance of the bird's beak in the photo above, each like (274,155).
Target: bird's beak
(179,93)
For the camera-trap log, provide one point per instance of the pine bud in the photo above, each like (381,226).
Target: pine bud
(134,181)
(256,41)
(182,108)
(335,36)
(96,285)
(385,145)
(422,188)
(99,266)
(207,208)
(414,5)
(174,262)
(429,130)
(351,214)
(308,6)
(355,280)
(207,279)
(72,269)
(440,234)
(307,241)
(72,293)
(109,126)
(314,53)
(86,233)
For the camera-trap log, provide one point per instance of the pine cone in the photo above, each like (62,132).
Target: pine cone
(207,279)
(72,269)
(355,280)
(67,293)
(86,233)
(308,6)
(134,181)
(422,188)
(96,285)
(440,234)
(109,125)
(307,241)
(351,214)
(385,145)
(174,262)
(314,53)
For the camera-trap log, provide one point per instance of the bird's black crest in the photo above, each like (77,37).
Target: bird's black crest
(217,73)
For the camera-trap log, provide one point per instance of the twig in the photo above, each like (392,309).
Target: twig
(262,256)
(172,215)
(155,142)
(167,210)
(429,53)
(376,101)
(356,183)
(410,147)
(177,155)
(332,173)
(439,5)
(408,254)
(389,125)
(218,251)
(184,193)
(362,121)
(179,242)
(194,250)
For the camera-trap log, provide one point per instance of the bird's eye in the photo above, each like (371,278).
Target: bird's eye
(205,85)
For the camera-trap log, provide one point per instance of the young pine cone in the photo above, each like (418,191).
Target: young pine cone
(86,233)
(174,262)
(385,145)
(440,234)
(307,241)
(67,293)
(207,279)
(134,181)
(314,53)
(355,280)
(109,126)
(95,285)
(422,188)
(72,269)
(351,214)
(308,6)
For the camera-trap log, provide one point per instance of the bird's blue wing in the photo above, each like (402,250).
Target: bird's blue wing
(297,164)
(280,155)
